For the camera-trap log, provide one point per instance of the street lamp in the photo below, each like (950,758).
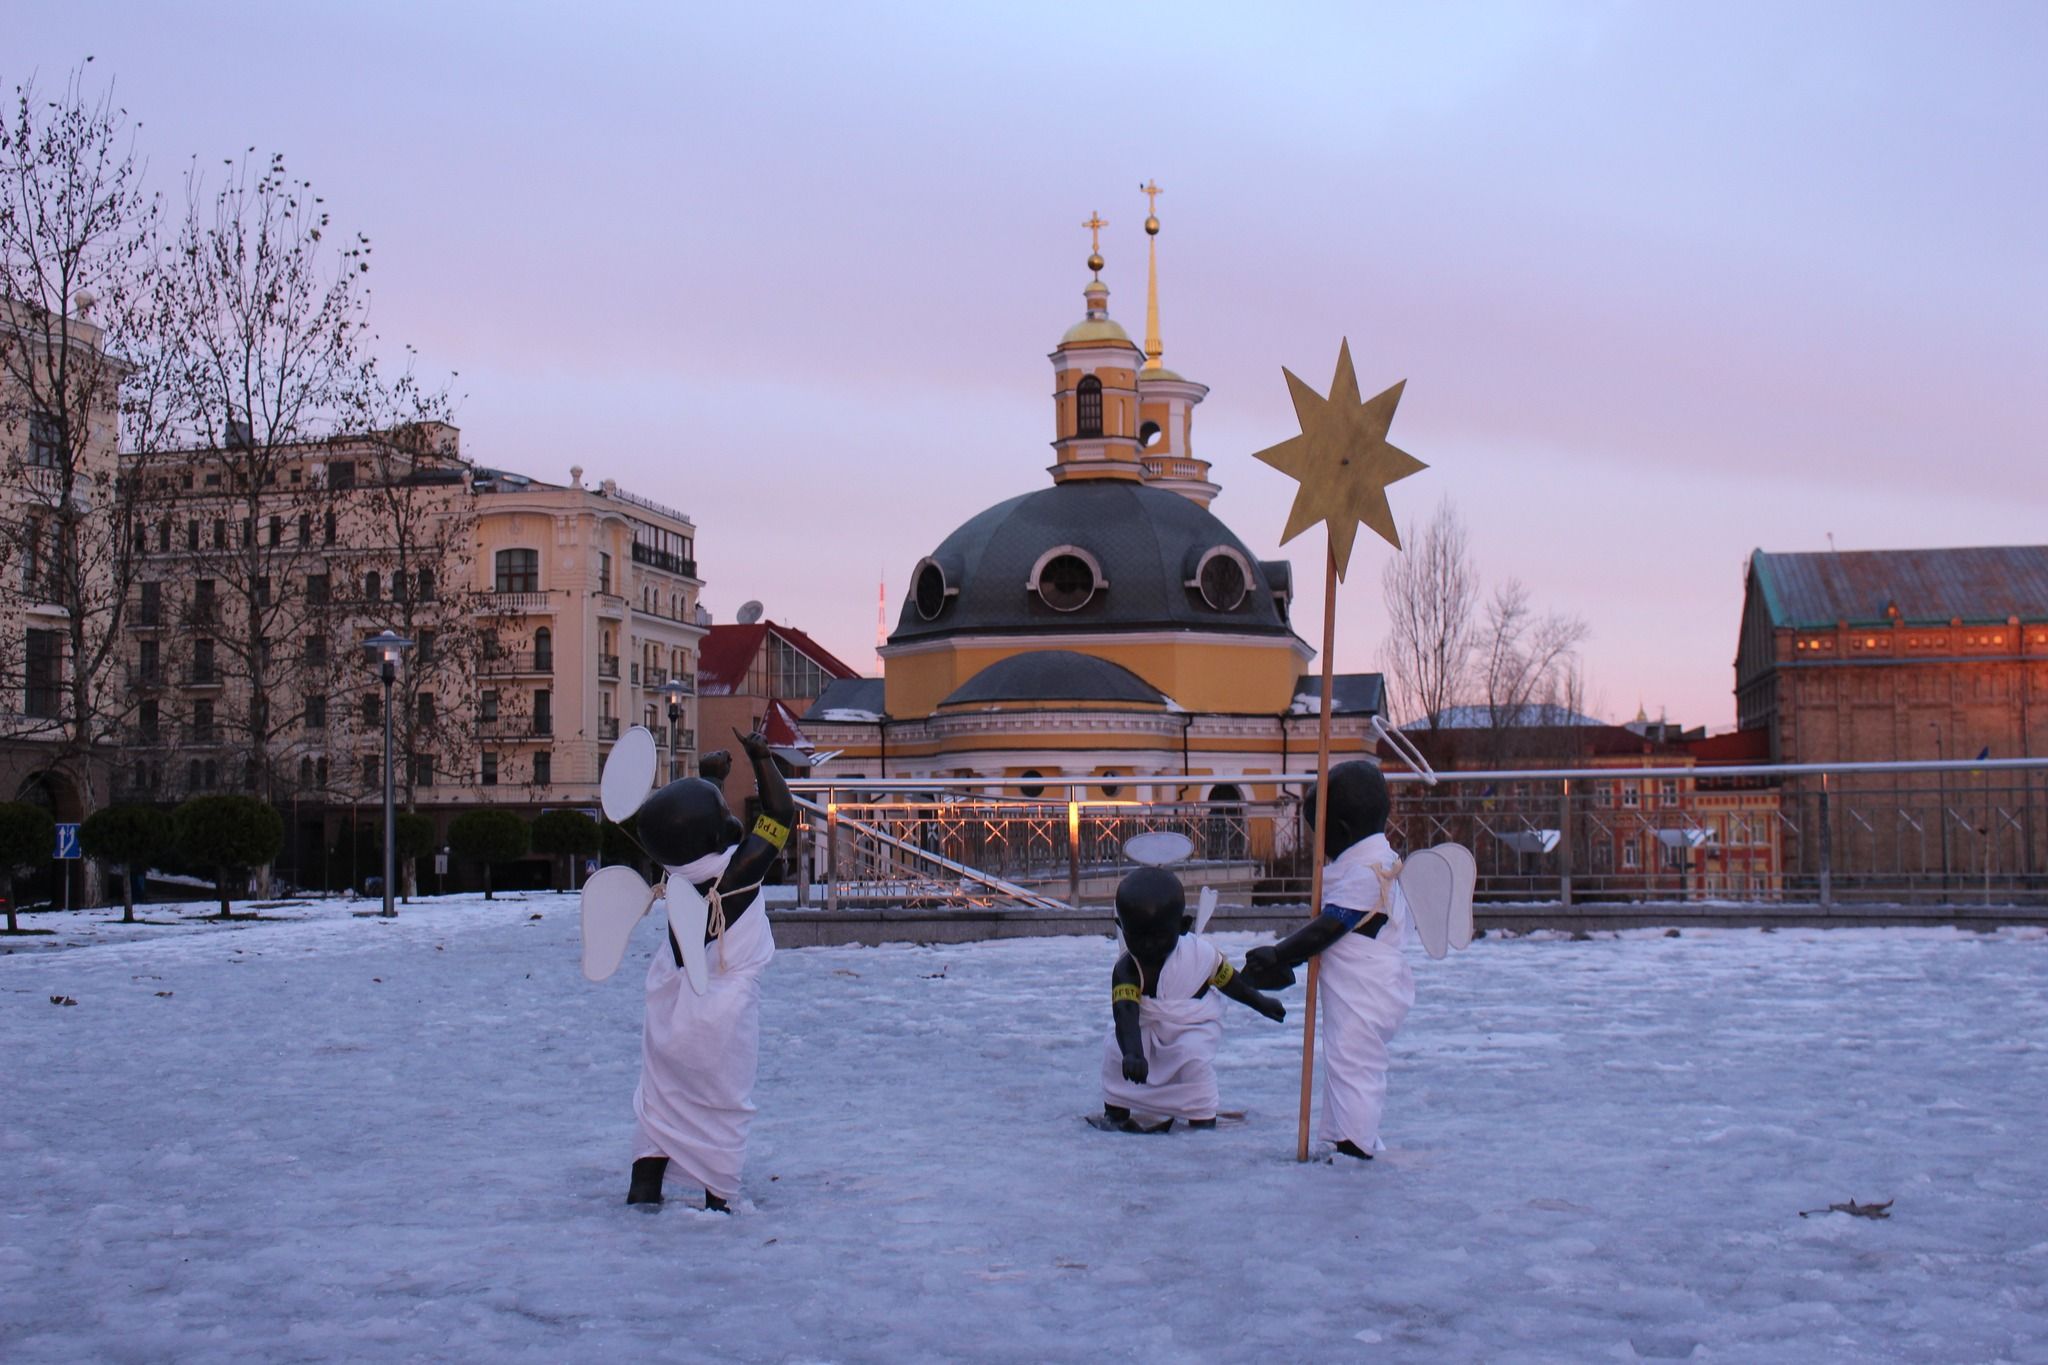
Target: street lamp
(385,647)
(674,691)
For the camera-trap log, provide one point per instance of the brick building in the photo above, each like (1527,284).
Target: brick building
(1886,655)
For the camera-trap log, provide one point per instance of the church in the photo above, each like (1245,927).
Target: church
(1106,625)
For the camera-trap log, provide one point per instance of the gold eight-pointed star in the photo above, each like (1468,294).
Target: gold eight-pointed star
(1342,459)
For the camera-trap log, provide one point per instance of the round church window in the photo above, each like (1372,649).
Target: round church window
(1066,578)
(1222,579)
(930,592)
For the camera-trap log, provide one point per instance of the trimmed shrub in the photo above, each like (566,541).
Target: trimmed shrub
(567,834)
(131,836)
(488,836)
(28,835)
(228,833)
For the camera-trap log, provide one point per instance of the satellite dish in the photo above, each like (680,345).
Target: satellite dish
(1157,848)
(750,612)
(628,774)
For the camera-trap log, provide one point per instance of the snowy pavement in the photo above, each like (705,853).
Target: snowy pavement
(342,1138)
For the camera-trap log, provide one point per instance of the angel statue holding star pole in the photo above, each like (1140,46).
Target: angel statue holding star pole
(1365,899)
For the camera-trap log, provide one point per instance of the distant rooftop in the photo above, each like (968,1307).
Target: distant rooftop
(1928,587)
(1530,717)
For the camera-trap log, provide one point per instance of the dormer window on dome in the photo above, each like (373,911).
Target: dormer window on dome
(1066,578)
(1223,578)
(932,588)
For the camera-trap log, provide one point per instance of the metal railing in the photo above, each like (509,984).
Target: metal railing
(510,662)
(1929,834)
(607,665)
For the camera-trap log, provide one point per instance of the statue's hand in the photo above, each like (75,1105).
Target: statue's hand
(1263,970)
(1136,1069)
(755,744)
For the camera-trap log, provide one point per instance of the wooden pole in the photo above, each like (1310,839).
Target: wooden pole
(1315,894)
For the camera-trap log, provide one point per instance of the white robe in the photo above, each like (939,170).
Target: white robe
(1180,1035)
(698,1055)
(1366,990)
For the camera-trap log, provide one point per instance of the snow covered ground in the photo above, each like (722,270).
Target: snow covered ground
(343,1138)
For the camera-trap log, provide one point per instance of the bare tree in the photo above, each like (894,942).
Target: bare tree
(264,351)
(1527,666)
(1431,592)
(77,240)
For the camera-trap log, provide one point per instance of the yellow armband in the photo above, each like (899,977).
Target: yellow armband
(1224,971)
(773,830)
(1120,993)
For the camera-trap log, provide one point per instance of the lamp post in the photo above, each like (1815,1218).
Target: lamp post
(385,647)
(673,692)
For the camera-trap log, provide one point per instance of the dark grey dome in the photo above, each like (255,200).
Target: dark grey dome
(1145,543)
(1053,675)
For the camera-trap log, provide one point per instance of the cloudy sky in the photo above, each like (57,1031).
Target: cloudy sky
(1667,283)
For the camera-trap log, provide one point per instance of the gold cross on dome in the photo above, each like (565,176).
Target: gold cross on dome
(1342,459)
(1095,224)
(1150,189)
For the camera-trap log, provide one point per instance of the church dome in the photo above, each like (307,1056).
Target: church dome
(1044,675)
(1094,556)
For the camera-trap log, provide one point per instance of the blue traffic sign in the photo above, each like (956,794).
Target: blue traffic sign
(67,841)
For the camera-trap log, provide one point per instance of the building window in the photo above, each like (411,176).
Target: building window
(151,612)
(149,721)
(423,650)
(191,535)
(1630,797)
(1631,853)
(487,707)
(220,533)
(305,526)
(320,771)
(490,773)
(1066,577)
(316,713)
(202,662)
(423,770)
(318,591)
(1088,407)
(543,712)
(373,771)
(45,440)
(305,772)
(604,572)
(341,473)
(543,768)
(44,667)
(518,571)
(277,530)
(372,713)
(148,666)
(316,650)
(327,528)
(1031,793)
(202,722)
(163,536)
(426,585)
(426,708)
(543,651)
(373,586)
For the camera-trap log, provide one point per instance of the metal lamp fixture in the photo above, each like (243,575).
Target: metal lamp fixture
(385,647)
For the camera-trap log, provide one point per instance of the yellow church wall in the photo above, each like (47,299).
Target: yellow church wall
(1241,675)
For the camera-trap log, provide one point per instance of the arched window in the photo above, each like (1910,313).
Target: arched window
(543,650)
(373,586)
(372,713)
(1088,407)
(518,571)
(426,585)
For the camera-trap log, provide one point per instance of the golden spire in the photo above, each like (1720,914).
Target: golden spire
(1095,224)
(1153,349)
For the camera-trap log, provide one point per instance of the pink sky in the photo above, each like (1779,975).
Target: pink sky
(1666,283)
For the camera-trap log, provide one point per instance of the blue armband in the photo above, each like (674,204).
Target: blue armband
(1349,918)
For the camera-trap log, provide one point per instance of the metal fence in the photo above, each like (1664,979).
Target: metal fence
(1916,834)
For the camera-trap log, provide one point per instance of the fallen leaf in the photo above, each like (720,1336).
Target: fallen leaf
(1854,1209)
(62,1000)
(163,995)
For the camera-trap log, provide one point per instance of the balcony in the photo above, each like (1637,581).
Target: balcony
(202,677)
(663,559)
(516,727)
(512,603)
(513,663)
(140,678)
(607,665)
(193,733)
(607,727)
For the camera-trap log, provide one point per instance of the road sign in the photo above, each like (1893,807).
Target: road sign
(441,863)
(67,841)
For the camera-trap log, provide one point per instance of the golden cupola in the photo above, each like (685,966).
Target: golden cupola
(1166,401)
(1095,386)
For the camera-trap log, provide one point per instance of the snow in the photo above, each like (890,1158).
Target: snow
(850,714)
(330,1137)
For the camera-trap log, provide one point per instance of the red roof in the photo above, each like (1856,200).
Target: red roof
(1737,746)
(727,652)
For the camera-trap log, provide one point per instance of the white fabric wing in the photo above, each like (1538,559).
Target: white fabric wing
(1467,868)
(1205,906)
(614,900)
(1439,883)
(688,913)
